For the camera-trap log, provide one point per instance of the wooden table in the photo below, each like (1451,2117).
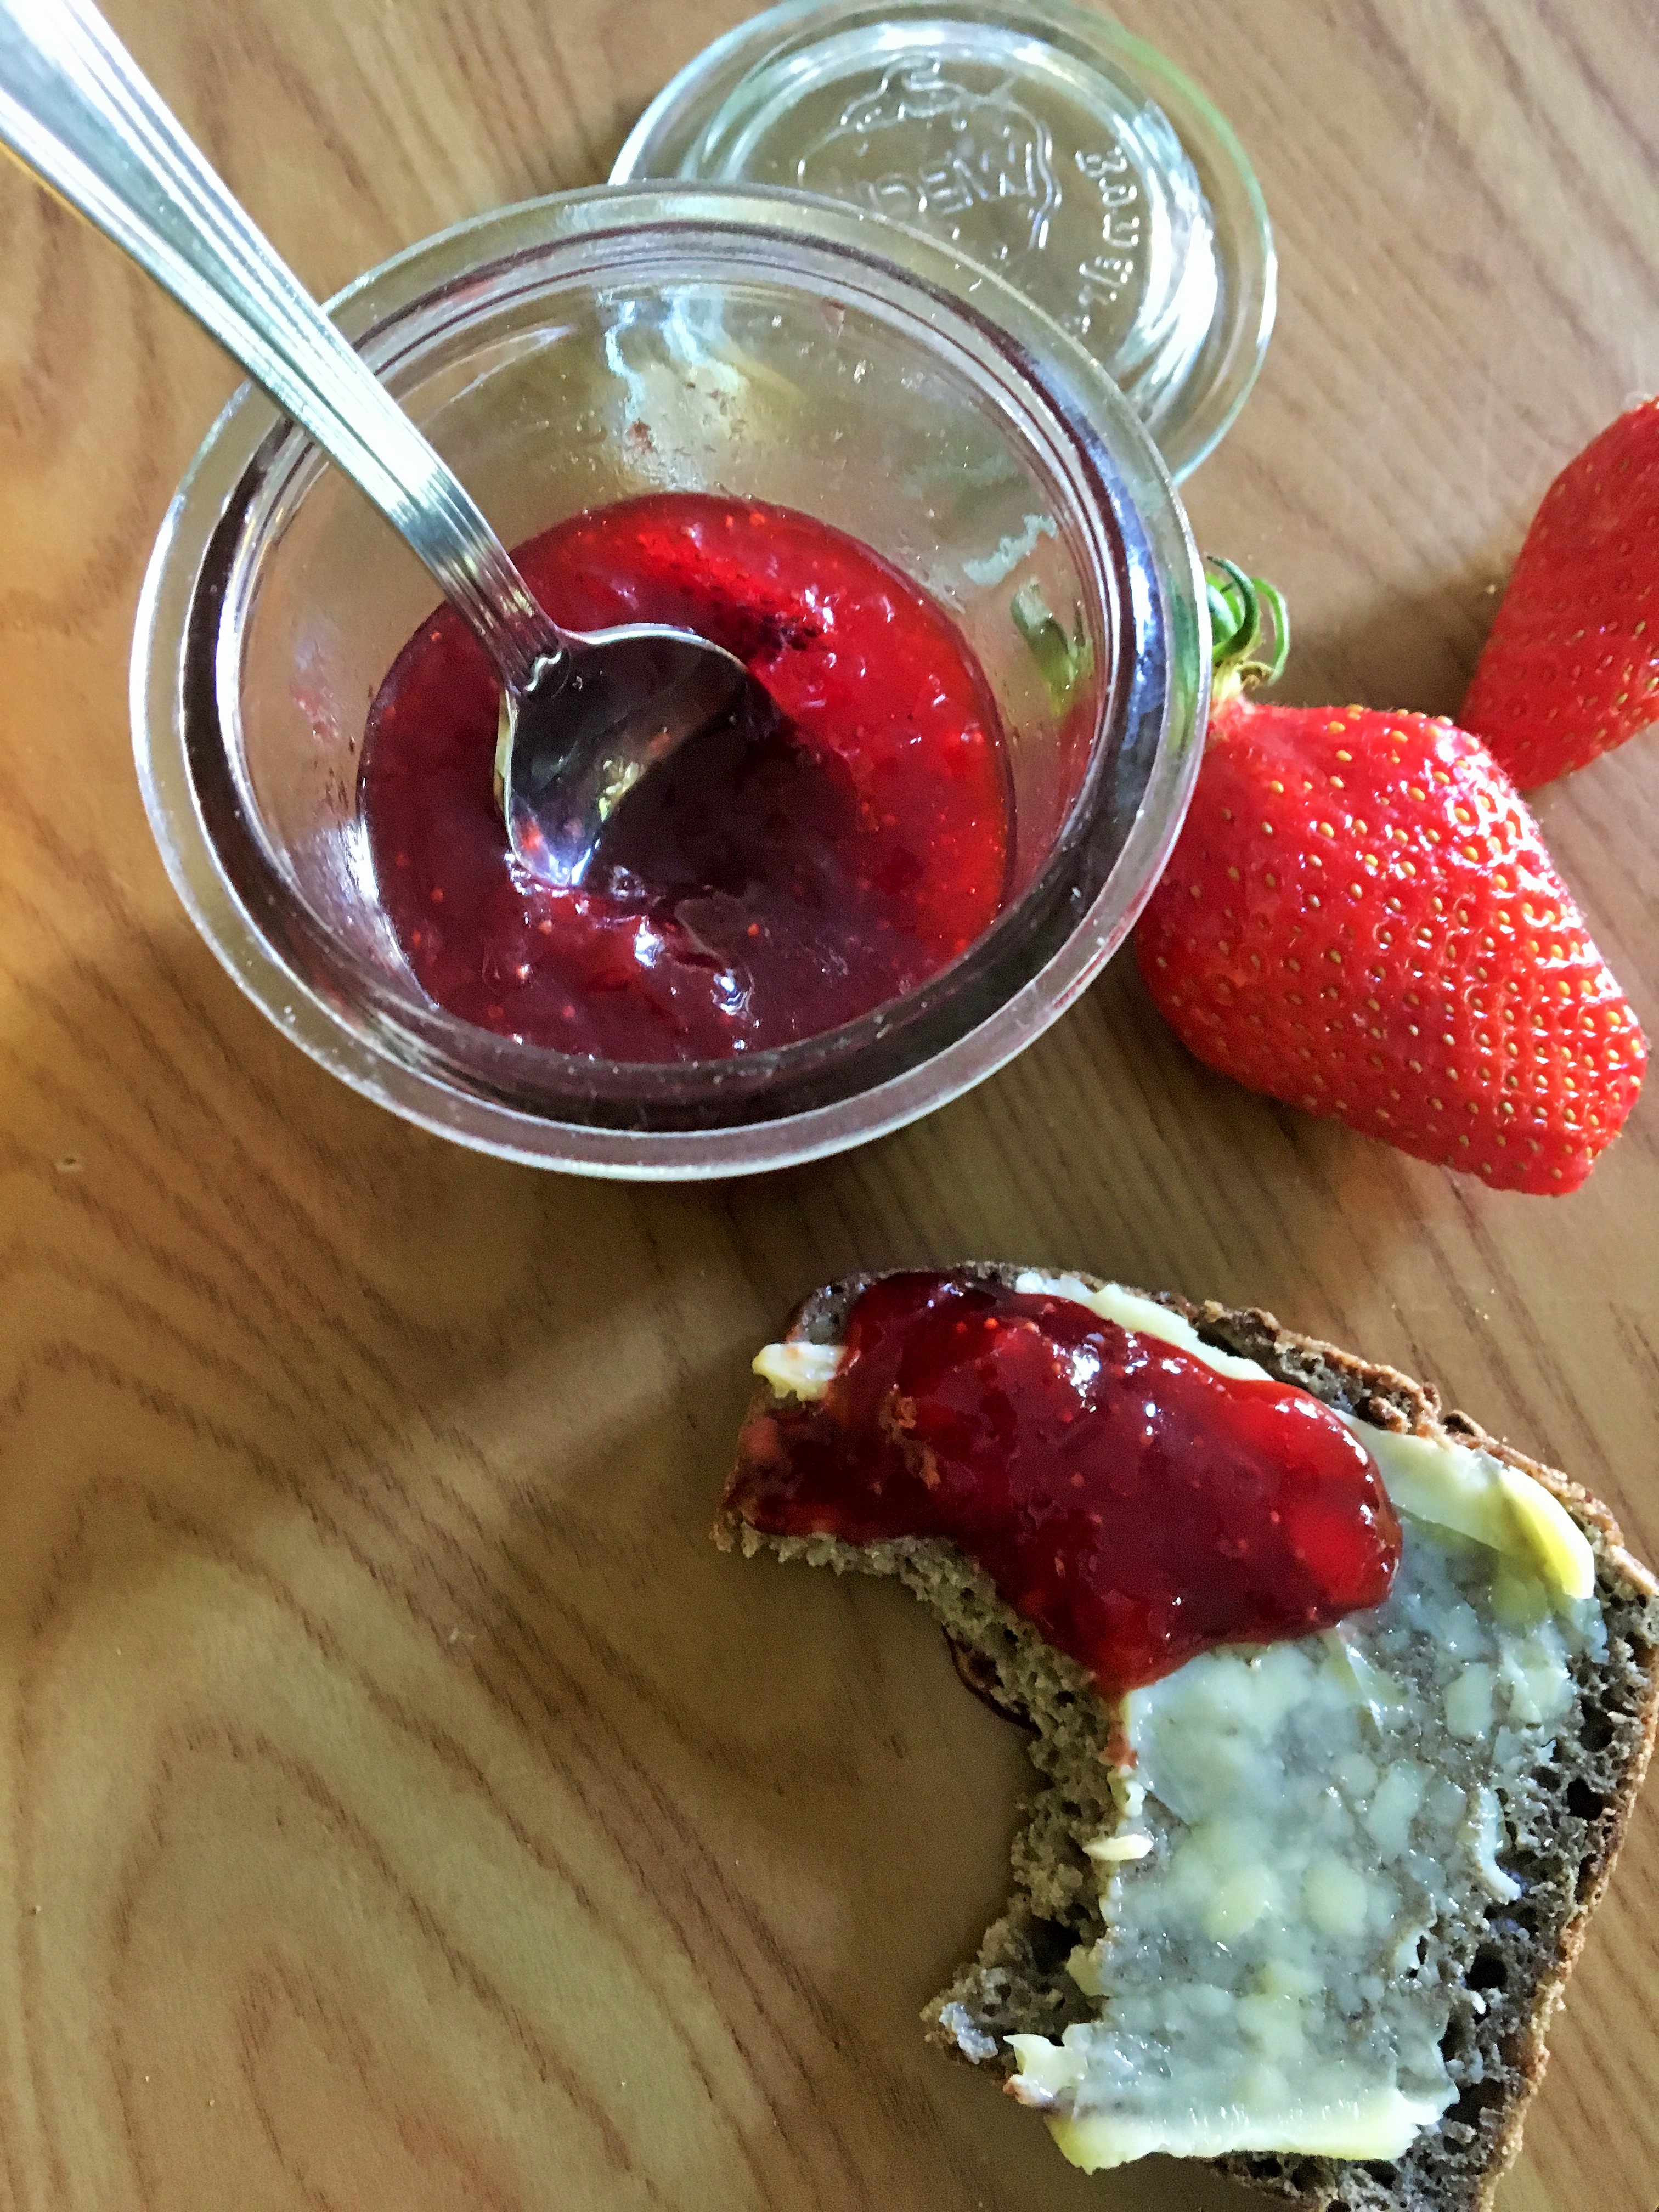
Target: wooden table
(404,1807)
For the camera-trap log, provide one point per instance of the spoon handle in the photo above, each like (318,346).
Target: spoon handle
(75,109)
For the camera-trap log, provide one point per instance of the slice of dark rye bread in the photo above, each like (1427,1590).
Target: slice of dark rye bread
(1512,1960)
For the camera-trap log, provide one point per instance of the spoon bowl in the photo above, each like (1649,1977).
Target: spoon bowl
(588,727)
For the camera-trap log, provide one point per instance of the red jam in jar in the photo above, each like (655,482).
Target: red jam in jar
(746,895)
(1133,1503)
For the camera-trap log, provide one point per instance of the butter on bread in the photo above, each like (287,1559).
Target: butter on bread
(1536,1847)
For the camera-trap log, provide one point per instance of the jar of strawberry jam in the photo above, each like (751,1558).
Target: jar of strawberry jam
(879,464)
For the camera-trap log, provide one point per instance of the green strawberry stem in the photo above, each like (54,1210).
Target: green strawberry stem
(1065,662)
(1237,602)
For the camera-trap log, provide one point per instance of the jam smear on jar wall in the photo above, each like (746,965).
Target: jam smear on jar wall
(1133,1504)
(746,895)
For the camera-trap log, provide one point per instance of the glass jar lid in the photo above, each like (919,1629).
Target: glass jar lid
(1033,135)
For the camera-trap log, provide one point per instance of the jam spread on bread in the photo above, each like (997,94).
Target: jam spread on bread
(750,892)
(1133,1503)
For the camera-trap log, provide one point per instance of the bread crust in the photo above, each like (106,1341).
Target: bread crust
(1384,1397)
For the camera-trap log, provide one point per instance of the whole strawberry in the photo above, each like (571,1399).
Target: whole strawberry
(1360,917)
(1572,664)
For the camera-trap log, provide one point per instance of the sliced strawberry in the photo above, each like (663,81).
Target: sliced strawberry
(1361,918)
(1571,666)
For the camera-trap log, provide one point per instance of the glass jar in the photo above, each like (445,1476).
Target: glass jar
(584,348)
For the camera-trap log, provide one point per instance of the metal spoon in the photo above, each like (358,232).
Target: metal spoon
(584,714)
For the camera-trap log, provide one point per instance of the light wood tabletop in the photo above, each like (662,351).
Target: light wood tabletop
(405,1806)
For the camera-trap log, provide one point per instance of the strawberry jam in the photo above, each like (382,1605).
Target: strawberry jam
(1133,1504)
(747,893)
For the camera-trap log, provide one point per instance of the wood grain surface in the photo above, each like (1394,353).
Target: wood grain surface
(402,1806)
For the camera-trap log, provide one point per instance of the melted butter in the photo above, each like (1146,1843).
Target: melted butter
(1482,1497)
(798,1370)
(1323,1818)
(1144,1315)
